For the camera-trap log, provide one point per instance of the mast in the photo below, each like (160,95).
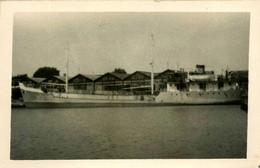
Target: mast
(67,67)
(152,64)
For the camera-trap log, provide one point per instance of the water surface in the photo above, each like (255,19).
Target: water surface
(129,133)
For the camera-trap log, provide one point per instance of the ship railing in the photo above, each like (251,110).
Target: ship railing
(105,92)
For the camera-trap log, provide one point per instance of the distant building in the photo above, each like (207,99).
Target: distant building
(28,81)
(238,76)
(176,78)
(82,83)
(110,83)
(138,82)
(54,83)
(33,82)
(138,78)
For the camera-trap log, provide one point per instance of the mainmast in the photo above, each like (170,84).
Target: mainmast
(67,67)
(152,64)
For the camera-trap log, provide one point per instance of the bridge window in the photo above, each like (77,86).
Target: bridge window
(220,85)
(202,86)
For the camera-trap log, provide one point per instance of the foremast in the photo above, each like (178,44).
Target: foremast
(67,68)
(152,64)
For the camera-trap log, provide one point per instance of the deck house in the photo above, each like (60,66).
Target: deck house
(207,80)
(201,80)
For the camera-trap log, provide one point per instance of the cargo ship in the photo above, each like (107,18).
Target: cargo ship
(35,97)
(199,88)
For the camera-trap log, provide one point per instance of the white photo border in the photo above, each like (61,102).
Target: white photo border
(9,8)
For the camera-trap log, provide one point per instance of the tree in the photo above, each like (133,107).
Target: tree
(18,78)
(45,72)
(120,70)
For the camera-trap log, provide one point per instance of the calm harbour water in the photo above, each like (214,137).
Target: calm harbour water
(129,133)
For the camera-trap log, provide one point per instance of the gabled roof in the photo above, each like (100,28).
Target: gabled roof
(37,80)
(90,77)
(171,72)
(62,78)
(142,72)
(145,73)
(239,74)
(117,75)
(148,74)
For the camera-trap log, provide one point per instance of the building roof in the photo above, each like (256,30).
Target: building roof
(117,75)
(144,72)
(170,71)
(243,73)
(91,77)
(88,76)
(37,80)
(238,74)
(62,78)
(148,74)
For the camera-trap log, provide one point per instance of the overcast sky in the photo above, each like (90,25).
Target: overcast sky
(100,42)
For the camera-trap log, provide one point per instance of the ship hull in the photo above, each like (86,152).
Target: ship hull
(86,104)
(37,98)
(201,97)
(119,104)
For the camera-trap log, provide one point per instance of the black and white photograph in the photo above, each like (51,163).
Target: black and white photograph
(121,85)
(129,85)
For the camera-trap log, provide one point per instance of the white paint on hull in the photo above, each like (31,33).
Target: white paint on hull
(41,99)
(200,97)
